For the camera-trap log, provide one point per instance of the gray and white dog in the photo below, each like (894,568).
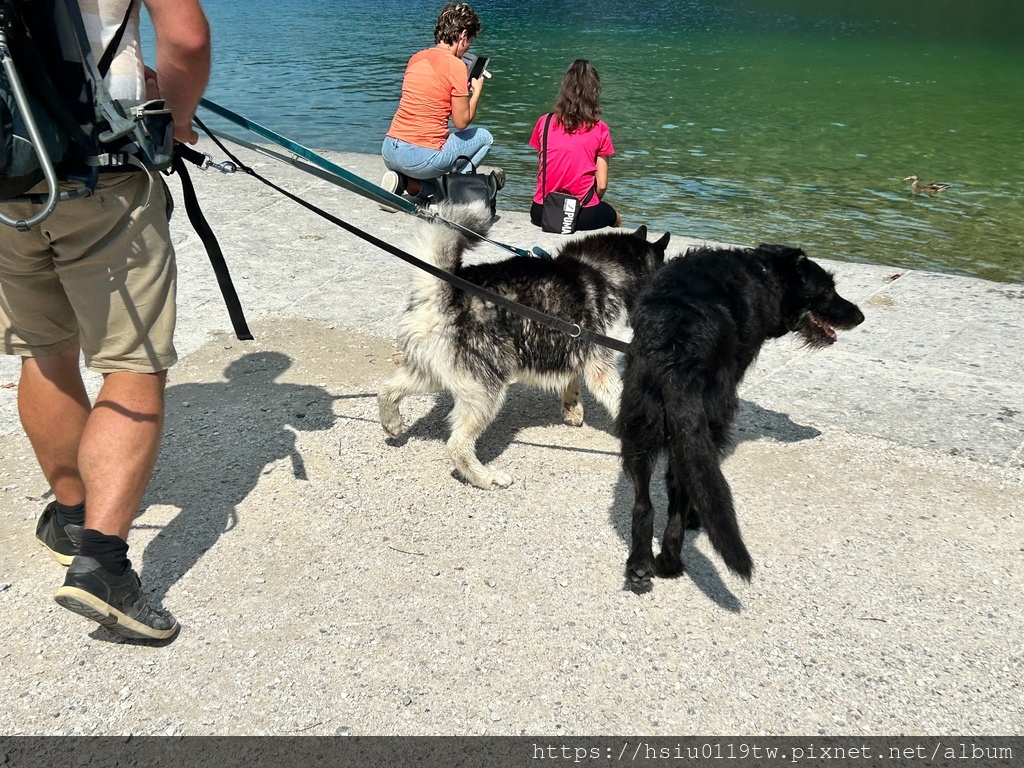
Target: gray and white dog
(453,341)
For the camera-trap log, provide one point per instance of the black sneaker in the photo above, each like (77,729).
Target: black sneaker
(63,541)
(116,602)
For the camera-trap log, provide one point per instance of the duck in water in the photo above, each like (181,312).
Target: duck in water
(916,186)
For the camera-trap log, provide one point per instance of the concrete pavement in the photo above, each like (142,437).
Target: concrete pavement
(328,582)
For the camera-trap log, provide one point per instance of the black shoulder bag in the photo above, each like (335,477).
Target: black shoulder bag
(470,187)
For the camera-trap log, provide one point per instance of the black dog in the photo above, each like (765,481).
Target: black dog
(697,326)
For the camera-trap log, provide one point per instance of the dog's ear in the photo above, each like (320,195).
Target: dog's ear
(662,243)
(641,232)
(783,255)
(780,250)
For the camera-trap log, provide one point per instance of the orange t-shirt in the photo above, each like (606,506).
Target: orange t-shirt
(432,78)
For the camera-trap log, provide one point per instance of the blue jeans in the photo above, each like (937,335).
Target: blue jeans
(424,163)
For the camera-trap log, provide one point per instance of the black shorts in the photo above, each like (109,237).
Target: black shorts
(593,217)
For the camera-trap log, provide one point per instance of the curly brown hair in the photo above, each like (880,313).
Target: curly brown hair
(578,105)
(454,19)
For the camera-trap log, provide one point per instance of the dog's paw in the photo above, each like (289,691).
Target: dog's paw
(668,566)
(498,480)
(573,416)
(488,481)
(390,417)
(638,575)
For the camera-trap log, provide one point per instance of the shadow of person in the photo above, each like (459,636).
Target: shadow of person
(752,423)
(219,438)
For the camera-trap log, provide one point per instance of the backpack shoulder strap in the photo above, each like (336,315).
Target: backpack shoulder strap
(106,109)
(108,55)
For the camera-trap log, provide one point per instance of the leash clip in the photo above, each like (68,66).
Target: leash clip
(224,167)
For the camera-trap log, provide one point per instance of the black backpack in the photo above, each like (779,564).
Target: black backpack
(57,119)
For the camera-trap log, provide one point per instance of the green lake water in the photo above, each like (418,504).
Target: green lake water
(745,121)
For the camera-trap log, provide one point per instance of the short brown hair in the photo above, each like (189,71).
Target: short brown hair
(454,19)
(578,105)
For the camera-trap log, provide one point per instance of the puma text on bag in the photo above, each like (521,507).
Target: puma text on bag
(559,213)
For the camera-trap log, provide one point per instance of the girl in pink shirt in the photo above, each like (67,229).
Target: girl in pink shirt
(578,148)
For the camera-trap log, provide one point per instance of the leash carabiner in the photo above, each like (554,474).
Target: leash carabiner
(225,166)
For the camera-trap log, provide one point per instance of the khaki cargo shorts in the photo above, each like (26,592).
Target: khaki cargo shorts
(99,272)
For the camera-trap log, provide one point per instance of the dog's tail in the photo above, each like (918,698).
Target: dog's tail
(442,244)
(696,465)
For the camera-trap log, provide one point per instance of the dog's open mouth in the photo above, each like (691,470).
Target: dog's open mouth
(815,331)
(824,327)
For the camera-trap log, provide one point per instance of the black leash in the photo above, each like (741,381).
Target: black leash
(183,152)
(572,329)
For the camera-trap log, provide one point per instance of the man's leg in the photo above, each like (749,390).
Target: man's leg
(116,458)
(106,453)
(54,407)
(119,447)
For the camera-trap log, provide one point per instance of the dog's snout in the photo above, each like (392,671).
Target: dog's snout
(840,313)
(853,316)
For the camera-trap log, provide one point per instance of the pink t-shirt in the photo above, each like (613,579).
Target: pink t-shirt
(572,158)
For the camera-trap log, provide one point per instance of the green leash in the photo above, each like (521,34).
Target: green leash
(347,179)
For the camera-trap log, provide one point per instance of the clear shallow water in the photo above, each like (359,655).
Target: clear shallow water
(744,121)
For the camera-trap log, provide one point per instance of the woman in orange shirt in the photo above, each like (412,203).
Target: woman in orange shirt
(418,146)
